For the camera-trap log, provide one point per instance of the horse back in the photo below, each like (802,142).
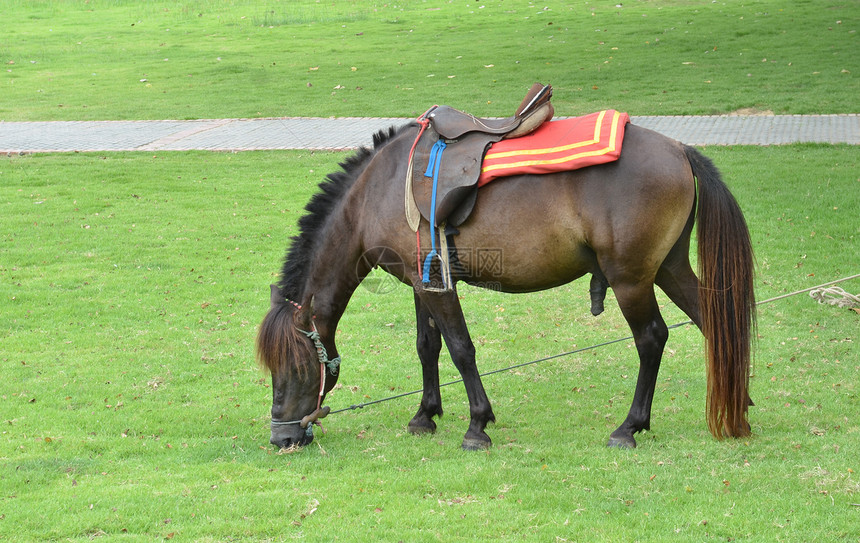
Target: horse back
(534,232)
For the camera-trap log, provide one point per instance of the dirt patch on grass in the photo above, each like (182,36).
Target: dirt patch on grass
(750,111)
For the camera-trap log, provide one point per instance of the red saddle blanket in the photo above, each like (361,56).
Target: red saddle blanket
(557,146)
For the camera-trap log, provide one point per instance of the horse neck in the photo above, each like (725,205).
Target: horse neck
(335,271)
(337,265)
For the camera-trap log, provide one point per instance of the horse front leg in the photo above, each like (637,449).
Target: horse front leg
(448,316)
(650,334)
(428,344)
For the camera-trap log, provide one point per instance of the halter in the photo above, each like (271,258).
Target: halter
(333,367)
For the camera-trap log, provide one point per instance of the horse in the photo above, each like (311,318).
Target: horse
(628,223)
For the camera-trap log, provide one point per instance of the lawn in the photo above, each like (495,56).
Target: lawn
(116,59)
(131,284)
(131,287)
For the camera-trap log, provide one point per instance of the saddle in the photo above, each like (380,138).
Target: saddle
(445,161)
(535,108)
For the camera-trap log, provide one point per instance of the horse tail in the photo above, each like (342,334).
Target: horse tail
(280,342)
(726,299)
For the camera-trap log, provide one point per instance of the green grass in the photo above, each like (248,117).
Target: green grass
(114,59)
(130,290)
(131,284)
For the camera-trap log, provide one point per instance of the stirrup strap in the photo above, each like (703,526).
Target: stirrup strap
(433,166)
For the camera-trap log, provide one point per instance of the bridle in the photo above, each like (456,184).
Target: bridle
(333,366)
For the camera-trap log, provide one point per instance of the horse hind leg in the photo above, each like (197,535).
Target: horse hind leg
(681,286)
(429,344)
(676,278)
(639,306)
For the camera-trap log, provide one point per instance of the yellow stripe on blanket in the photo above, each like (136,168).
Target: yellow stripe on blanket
(556,146)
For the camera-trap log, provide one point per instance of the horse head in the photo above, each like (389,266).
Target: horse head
(287,348)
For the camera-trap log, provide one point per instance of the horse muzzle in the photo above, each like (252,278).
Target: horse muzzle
(293,435)
(297,433)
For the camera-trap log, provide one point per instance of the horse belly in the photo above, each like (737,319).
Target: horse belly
(524,234)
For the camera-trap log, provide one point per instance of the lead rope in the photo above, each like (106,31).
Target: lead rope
(836,296)
(580,350)
(551,357)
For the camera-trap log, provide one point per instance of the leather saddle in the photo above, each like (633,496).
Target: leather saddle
(454,165)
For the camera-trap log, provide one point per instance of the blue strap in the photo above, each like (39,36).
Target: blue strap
(433,163)
(433,166)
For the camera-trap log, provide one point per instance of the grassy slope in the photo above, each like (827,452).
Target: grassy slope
(111,59)
(133,408)
(131,284)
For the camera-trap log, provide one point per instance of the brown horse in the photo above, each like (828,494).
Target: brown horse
(628,223)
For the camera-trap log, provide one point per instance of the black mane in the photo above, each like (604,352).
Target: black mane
(332,190)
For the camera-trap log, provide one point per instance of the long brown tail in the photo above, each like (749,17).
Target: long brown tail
(726,299)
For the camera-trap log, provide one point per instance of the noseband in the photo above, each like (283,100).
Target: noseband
(333,366)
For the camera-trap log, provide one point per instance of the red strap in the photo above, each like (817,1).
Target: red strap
(424,122)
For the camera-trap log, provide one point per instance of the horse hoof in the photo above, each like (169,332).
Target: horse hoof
(421,429)
(621,442)
(475,444)
(420,425)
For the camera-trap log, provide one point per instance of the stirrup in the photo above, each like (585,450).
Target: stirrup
(444,265)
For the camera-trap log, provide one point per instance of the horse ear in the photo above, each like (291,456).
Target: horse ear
(276,298)
(305,315)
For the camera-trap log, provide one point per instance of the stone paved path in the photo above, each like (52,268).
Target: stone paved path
(353,132)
